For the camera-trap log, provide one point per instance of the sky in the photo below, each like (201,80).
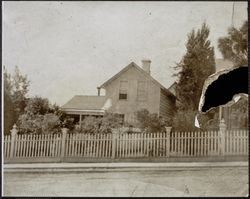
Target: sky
(70,48)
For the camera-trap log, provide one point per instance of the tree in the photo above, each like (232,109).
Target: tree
(9,113)
(39,117)
(196,65)
(38,105)
(15,91)
(234,46)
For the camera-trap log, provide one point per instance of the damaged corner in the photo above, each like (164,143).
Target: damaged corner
(223,89)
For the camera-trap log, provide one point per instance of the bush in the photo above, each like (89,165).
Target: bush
(40,117)
(151,122)
(48,123)
(184,120)
(103,125)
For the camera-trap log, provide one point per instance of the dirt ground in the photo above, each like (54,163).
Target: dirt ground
(208,182)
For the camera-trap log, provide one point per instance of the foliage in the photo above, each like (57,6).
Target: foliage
(39,117)
(90,124)
(102,124)
(184,120)
(15,91)
(234,46)
(196,65)
(37,105)
(109,121)
(240,110)
(209,120)
(151,122)
(9,113)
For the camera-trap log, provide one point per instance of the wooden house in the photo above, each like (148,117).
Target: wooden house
(131,89)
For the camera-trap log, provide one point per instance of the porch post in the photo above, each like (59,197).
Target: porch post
(80,121)
(222,132)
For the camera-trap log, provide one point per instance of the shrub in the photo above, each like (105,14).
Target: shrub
(184,120)
(103,125)
(151,122)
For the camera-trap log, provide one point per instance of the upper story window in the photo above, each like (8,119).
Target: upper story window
(142,91)
(123,91)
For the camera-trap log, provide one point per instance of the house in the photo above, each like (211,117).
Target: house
(131,89)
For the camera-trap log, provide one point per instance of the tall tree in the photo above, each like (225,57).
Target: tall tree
(15,91)
(196,65)
(234,46)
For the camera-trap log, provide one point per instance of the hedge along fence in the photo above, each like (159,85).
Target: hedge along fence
(126,145)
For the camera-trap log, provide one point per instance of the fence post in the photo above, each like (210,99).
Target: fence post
(114,138)
(64,133)
(222,132)
(168,130)
(13,138)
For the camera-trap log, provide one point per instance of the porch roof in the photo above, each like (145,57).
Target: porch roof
(83,103)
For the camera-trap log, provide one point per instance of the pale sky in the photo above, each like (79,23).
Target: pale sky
(70,48)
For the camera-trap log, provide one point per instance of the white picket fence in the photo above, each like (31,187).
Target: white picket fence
(127,145)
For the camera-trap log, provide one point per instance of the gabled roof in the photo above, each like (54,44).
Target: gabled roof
(172,87)
(132,64)
(83,102)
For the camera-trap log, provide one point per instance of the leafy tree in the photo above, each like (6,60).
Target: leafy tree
(196,65)
(38,105)
(39,117)
(234,46)
(9,113)
(15,91)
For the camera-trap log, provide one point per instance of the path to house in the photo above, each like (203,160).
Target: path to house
(127,179)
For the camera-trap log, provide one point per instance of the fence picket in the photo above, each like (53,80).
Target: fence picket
(245,141)
(103,145)
(137,144)
(29,146)
(100,147)
(47,145)
(6,146)
(238,142)
(17,145)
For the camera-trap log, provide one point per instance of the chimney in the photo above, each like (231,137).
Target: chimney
(98,91)
(146,65)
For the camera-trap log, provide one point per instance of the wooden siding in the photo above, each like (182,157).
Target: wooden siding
(129,106)
(167,105)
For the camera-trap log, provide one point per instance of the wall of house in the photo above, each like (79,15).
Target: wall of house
(167,105)
(129,106)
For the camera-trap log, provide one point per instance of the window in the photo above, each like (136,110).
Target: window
(122,96)
(142,91)
(123,90)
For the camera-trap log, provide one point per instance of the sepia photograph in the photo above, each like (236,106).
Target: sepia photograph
(125,99)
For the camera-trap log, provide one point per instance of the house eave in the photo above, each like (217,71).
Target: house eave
(84,111)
